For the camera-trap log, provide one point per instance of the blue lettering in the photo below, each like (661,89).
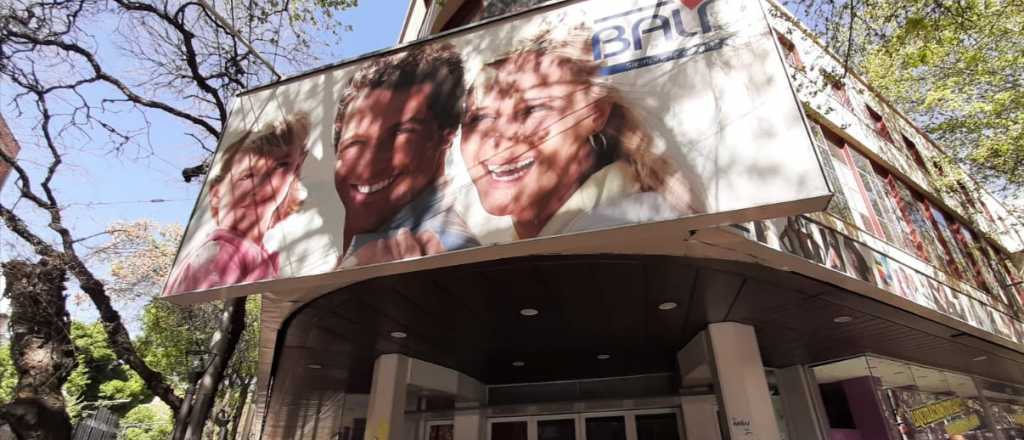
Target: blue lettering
(663,25)
(677,18)
(705,22)
(618,37)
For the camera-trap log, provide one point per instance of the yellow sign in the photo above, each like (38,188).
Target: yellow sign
(934,412)
(963,425)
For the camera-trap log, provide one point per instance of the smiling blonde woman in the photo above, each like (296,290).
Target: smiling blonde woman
(555,148)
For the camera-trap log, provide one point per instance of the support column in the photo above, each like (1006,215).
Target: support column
(469,424)
(386,412)
(800,403)
(742,388)
(700,418)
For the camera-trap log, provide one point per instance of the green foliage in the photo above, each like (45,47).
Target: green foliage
(957,68)
(170,330)
(100,380)
(8,376)
(153,421)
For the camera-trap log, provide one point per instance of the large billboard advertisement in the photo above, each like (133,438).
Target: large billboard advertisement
(571,118)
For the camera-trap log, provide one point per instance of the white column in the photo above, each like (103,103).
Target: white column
(469,424)
(700,418)
(800,403)
(741,385)
(386,412)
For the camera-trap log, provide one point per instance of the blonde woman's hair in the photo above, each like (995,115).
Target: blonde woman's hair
(624,133)
(281,138)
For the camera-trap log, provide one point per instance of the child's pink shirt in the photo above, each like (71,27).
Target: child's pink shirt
(224,259)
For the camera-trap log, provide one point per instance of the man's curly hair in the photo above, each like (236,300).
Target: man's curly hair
(437,64)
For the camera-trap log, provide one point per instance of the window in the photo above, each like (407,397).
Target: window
(922,234)
(839,205)
(956,260)
(889,224)
(878,123)
(468,12)
(846,175)
(886,207)
(841,95)
(915,154)
(789,52)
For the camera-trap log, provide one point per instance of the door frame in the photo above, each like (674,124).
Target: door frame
(580,421)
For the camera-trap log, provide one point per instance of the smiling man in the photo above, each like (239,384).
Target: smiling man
(394,127)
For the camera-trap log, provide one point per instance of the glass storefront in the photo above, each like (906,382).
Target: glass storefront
(871,397)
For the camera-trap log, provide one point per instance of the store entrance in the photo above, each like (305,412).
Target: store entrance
(657,424)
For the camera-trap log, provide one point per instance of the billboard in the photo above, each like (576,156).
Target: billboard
(571,118)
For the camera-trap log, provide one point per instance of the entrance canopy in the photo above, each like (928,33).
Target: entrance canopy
(550,318)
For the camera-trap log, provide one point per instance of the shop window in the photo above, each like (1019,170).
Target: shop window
(837,407)
(878,123)
(789,52)
(840,93)
(468,12)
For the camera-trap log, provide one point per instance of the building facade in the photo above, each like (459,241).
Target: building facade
(892,309)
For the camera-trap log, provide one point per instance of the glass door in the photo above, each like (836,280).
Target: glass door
(657,424)
(606,427)
(556,428)
(510,429)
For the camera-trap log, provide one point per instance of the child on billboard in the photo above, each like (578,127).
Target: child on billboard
(256,187)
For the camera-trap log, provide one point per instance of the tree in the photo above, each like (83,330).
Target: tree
(952,66)
(100,380)
(140,254)
(187,59)
(147,422)
(41,350)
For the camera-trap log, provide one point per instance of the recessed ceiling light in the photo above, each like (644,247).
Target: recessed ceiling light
(529,312)
(314,366)
(980,358)
(667,305)
(604,356)
(842,319)
(519,364)
(399,335)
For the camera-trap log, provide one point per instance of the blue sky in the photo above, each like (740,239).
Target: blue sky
(101,187)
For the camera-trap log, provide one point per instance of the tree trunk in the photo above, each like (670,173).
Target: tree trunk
(41,349)
(118,337)
(223,346)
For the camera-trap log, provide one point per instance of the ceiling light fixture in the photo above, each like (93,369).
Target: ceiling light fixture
(842,319)
(314,366)
(519,364)
(980,358)
(667,305)
(399,335)
(604,356)
(529,312)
